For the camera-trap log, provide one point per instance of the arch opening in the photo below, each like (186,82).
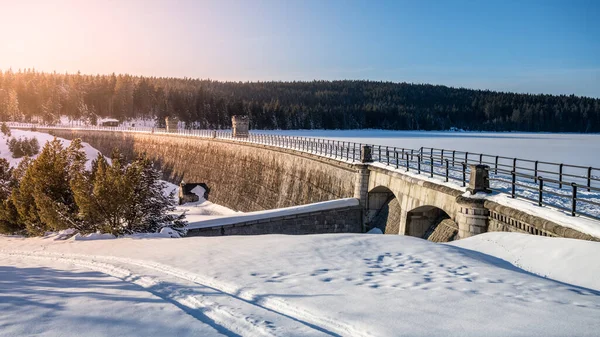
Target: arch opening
(430,223)
(383,210)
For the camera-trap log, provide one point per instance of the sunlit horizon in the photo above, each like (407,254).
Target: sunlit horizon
(535,48)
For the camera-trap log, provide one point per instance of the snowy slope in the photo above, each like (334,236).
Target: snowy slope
(565,260)
(42,138)
(275,285)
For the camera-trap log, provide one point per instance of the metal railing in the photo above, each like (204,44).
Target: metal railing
(577,193)
(571,188)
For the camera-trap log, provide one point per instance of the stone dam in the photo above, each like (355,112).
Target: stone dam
(248,177)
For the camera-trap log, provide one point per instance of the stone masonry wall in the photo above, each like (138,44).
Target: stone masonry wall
(342,220)
(507,219)
(244,177)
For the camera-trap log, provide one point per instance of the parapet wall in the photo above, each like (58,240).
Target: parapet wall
(337,220)
(244,177)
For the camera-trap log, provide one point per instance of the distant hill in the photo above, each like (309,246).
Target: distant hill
(290,105)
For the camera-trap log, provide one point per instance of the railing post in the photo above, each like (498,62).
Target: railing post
(513,185)
(514,165)
(334,149)
(419,163)
(412,156)
(431,166)
(480,158)
(574,200)
(387,155)
(379,151)
(407,163)
(442,157)
(464,174)
(589,179)
(447,169)
(353,151)
(560,172)
(535,169)
(396,157)
(540,191)
(453,155)
(467,157)
(496,168)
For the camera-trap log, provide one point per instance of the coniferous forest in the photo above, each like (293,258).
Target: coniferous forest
(44,97)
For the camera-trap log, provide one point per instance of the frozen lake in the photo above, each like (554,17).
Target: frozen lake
(575,149)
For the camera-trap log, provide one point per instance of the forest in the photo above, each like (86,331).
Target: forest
(32,96)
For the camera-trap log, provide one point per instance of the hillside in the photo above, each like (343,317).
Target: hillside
(348,104)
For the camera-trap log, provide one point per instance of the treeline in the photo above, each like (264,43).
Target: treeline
(55,192)
(34,96)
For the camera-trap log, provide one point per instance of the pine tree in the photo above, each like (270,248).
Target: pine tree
(124,199)
(102,196)
(5,129)
(9,218)
(44,199)
(151,209)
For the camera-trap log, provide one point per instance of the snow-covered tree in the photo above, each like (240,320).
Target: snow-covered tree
(124,199)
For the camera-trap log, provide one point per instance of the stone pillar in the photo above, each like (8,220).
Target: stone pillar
(172,124)
(478,181)
(473,217)
(361,187)
(361,190)
(366,154)
(239,126)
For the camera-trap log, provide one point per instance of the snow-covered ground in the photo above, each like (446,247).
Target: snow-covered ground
(199,211)
(575,149)
(90,152)
(275,285)
(497,284)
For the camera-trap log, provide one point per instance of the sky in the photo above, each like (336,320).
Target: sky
(523,46)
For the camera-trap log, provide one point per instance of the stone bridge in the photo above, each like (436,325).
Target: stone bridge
(247,176)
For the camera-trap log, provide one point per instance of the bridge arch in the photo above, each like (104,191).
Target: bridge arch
(383,210)
(423,221)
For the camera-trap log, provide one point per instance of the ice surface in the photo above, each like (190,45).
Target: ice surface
(576,149)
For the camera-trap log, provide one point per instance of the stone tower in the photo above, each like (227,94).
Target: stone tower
(172,124)
(240,126)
